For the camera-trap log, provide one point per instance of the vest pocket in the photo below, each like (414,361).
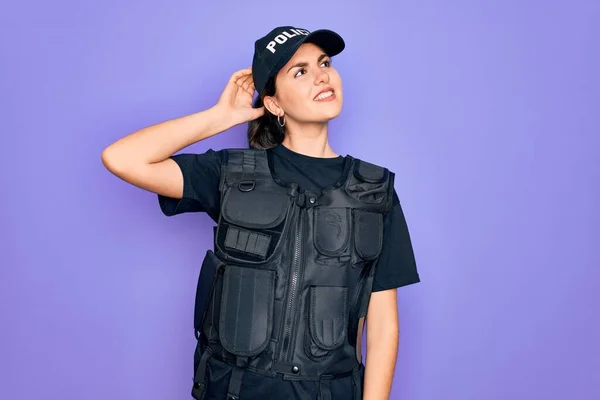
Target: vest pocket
(246,320)
(368,233)
(328,319)
(369,183)
(332,230)
(252,221)
(262,207)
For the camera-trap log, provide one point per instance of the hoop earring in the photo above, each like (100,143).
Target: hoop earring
(279,121)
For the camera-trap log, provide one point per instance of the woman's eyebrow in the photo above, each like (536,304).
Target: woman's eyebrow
(305,64)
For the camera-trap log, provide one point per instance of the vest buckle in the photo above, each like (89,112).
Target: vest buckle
(246,186)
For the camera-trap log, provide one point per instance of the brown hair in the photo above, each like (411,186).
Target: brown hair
(265,132)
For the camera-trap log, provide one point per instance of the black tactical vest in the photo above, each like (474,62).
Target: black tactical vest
(287,286)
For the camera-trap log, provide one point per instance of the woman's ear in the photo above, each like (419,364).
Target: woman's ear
(271,104)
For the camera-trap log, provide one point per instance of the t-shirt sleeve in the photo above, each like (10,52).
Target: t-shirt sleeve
(396,266)
(201,177)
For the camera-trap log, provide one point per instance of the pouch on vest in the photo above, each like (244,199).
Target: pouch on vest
(368,234)
(369,183)
(332,231)
(253,218)
(246,319)
(326,325)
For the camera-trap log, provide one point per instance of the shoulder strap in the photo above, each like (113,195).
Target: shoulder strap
(244,166)
(369,172)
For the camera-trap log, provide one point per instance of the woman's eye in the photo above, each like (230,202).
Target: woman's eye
(302,71)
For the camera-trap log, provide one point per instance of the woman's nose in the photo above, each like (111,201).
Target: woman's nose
(321,76)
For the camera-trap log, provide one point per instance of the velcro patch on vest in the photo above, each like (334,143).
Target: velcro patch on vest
(247,241)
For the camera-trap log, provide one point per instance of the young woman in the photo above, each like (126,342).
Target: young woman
(308,243)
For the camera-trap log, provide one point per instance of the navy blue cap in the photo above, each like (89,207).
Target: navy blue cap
(275,49)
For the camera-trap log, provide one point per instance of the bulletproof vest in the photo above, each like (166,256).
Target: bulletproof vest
(286,287)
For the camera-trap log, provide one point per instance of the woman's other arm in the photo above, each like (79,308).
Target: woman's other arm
(382,344)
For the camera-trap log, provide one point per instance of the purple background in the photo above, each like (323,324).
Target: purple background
(488,113)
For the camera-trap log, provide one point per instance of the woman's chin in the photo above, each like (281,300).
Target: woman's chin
(329,113)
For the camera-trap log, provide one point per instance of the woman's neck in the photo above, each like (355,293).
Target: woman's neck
(309,139)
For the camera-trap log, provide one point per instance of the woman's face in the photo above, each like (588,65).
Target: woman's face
(309,89)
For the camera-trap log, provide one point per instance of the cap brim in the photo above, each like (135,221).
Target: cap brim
(328,40)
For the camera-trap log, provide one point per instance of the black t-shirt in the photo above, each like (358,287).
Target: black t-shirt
(201,177)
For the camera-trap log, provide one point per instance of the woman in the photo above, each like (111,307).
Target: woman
(308,242)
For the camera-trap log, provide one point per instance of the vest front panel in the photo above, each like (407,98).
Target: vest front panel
(294,269)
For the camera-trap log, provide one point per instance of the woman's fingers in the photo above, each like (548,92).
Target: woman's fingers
(242,73)
(243,79)
(247,83)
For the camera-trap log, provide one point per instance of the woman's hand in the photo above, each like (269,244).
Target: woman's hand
(236,100)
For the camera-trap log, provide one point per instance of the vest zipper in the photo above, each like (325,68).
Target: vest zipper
(295,276)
